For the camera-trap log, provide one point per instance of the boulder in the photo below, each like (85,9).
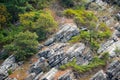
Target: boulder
(99,76)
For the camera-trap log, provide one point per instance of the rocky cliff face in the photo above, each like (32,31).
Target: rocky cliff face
(113,2)
(57,51)
(112,73)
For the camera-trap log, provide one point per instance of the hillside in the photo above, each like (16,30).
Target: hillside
(59,40)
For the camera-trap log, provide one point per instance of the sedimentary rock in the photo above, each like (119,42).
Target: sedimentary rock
(31,76)
(113,70)
(50,75)
(99,76)
(112,73)
(67,76)
(67,31)
(8,64)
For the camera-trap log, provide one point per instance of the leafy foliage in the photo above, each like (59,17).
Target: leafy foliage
(40,4)
(81,17)
(94,34)
(23,46)
(4,16)
(96,62)
(73,3)
(40,22)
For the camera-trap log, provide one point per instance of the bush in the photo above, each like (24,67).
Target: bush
(45,25)
(4,16)
(81,17)
(40,22)
(105,56)
(96,62)
(10,72)
(73,3)
(94,46)
(40,4)
(23,46)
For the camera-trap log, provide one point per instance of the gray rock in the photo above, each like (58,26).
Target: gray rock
(118,34)
(66,76)
(3,75)
(113,70)
(46,53)
(67,31)
(40,46)
(31,76)
(10,79)
(49,41)
(118,16)
(118,27)
(75,50)
(50,75)
(8,64)
(56,60)
(105,45)
(38,76)
(37,66)
(99,76)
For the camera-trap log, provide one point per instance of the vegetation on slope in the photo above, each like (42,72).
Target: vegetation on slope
(96,62)
(94,33)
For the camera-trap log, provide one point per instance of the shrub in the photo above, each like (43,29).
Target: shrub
(105,56)
(4,16)
(94,46)
(23,46)
(10,72)
(81,17)
(73,3)
(40,22)
(96,62)
(40,4)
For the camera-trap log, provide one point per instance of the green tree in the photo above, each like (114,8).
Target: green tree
(15,7)
(41,22)
(4,16)
(24,45)
(40,4)
(95,34)
(73,3)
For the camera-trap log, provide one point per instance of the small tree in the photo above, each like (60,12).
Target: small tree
(23,46)
(4,16)
(41,22)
